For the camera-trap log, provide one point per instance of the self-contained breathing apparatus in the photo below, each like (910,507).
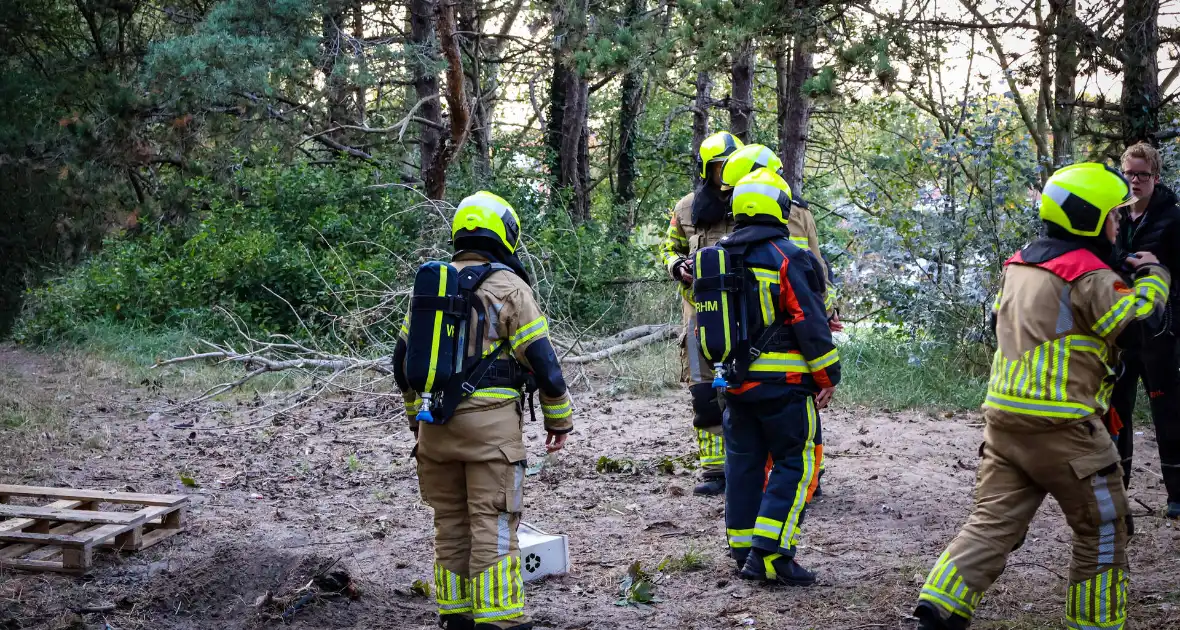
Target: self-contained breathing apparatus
(437,363)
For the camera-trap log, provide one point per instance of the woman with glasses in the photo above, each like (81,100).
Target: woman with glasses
(1152,224)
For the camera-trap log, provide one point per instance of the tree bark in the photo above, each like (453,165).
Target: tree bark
(741,96)
(792,70)
(337,92)
(630,109)
(700,110)
(1067,31)
(1141,94)
(423,56)
(568,124)
(457,105)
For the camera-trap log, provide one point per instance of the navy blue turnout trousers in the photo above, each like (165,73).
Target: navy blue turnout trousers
(779,420)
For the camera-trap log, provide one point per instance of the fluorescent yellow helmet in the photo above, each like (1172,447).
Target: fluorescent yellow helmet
(717,147)
(746,160)
(487,215)
(762,197)
(1078,197)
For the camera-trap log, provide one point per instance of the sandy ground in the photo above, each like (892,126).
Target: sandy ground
(280,500)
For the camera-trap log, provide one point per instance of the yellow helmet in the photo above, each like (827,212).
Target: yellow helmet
(762,196)
(487,215)
(1078,197)
(746,160)
(717,147)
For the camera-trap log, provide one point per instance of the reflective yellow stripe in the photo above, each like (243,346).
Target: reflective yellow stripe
(710,448)
(740,538)
(765,301)
(500,393)
(452,592)
(558,411)
(800,242)
(765,275)
(768,528)
(780,362)
(946,589)
(528,332)
(826,360)
(498,592)
(1098,603)
(791,523)
(438,319)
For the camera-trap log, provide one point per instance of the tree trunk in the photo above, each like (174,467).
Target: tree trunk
(458,108)
(337,92)
(471,27)
(741,96)
(1141,93)
(421,63)
(358,31)
(1067,31)
(568,125)
(794,108)
(630,109)
(700,110)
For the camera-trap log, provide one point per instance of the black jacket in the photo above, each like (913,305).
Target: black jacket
(1158,232)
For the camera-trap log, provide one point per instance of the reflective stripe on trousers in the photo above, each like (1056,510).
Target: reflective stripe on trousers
(946,589)
(1099,603)
(498,592)
(710,448)
(451,591)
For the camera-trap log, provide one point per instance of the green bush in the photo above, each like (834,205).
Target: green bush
(309,251)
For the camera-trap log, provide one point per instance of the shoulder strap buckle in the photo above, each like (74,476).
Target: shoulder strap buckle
(468,388)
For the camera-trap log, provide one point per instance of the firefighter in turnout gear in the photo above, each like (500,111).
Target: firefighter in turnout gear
(699,220)
(801,225)
(471,466)
(1058,318)
(782,369)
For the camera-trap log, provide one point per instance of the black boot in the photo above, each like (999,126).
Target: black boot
(456,622)
(1130,525)
(784,570)
(528,625)
(930,618)
(739,556)
(710,486)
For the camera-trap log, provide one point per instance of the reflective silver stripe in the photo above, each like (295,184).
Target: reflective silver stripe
(1058,194)
(754,188)
(503,535)
(741,539)
(694,353)
(1106,545)
(1064,313)
(484,201)
(769,531)
(1106,509)
(502,613)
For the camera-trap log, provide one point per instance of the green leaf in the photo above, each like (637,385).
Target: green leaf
(189,481)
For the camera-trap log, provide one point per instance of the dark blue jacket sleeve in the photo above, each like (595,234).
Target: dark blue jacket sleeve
(802,304)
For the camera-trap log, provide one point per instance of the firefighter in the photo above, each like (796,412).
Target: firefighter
(1152,224)
(699,220)
(471,469)
(1058,318)
(784,371)
(804,235)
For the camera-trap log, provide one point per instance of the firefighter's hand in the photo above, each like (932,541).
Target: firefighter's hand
(824,397)
(1138,259)
(684,272)
(834,324)
(555,441)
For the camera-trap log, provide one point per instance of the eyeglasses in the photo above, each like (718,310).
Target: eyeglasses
(1130,175)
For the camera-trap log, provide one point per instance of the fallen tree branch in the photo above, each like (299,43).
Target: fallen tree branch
(630,334)
(664,332)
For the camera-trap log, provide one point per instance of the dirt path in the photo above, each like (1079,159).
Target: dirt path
(280,500)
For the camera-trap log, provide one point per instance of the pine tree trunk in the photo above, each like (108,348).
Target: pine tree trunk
(1067,30)
(741,96)
(337,93)
(478,80)
(422,58)
(793,68)
(700,110)
(568,125)
(630,109)
(1141,93)
(458,108)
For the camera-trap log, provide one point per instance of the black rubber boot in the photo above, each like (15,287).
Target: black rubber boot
(1173,510)
(930,618)
(528,625)
(1130,525)
(456,622)
(710,486)
(786,570)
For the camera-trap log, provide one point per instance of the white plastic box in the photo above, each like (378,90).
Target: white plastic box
(542,554)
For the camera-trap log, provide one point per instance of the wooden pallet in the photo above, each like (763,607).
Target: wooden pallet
(62,535)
